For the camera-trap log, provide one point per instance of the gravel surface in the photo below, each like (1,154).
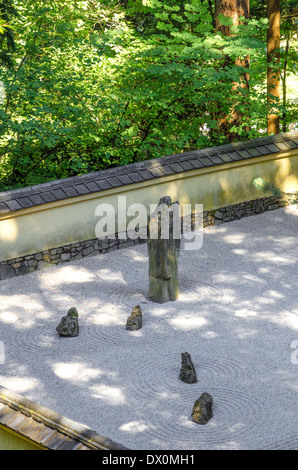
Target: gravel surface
(237,316)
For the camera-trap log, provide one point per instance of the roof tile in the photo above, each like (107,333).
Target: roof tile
(145,174)
(70,191)
(114,181)
(196,163)
(103,184)
(215,159)
(262,149)
(36,199)
(235,156)
(253,152)
(81,189)
(13,205)
(48,196)
(281,145)
(272,148)
(125,179)
(186,165)
(156,171)
(92,186)
(58,193)
(25,202)
(291,144)
(176,167)
(226,158)
(135,177)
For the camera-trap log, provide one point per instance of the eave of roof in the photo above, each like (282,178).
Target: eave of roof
(46,428)
(59,190)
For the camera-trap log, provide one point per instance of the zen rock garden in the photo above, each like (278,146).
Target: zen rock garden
(163,287)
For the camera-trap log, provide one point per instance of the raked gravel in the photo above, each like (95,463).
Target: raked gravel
(237,316)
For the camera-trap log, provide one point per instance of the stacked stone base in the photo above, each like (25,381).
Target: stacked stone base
(36,261)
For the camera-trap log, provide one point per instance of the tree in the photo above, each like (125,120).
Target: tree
(235,10)
(7,42)
(273,65)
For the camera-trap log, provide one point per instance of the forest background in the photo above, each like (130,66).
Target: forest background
(91,84)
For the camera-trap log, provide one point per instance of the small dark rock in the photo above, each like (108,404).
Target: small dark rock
(187,372)
(134,321)
(202,410)
(69,324)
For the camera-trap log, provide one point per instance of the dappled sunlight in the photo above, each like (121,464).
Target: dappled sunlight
(20,384)
(8,230)
(134,427)
(110,276)
(235,238)
(240,251)
(188,322)
(72,370)
(285,318)
(292,210)
(245,313)
(186,422)
(110,395)
(65,275)
(107,314)
(271,257)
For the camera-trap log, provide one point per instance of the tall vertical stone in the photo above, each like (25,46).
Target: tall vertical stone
(164,237)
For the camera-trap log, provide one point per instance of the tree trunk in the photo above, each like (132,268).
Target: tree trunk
(273,64)
(233,9)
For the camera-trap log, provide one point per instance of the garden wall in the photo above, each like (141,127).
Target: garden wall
(55,222)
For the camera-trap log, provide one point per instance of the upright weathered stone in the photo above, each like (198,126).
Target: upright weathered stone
(134,321)
(202,411)
(69,324)
(187,371)
(164,237)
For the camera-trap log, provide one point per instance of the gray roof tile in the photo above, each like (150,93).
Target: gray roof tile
(70,191)
(186,165)
(114,181)
(262,149)
(13,205)
(145,174)
(125,179)
(103,184)
(215,159)
(235,156)
(136,177)
(48,197)
(58,193)
(92,186)
(226,158)
(14,200)
(253,152)
(166,169)
(292,144)
(156,171)
(282,146)
(272,148)
(196,163)
(244,153)
(81,189)
(176,167)
(25,202)
(37,199)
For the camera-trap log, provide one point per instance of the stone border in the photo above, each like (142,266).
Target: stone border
(36,261)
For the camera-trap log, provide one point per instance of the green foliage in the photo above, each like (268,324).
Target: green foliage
(96,84)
